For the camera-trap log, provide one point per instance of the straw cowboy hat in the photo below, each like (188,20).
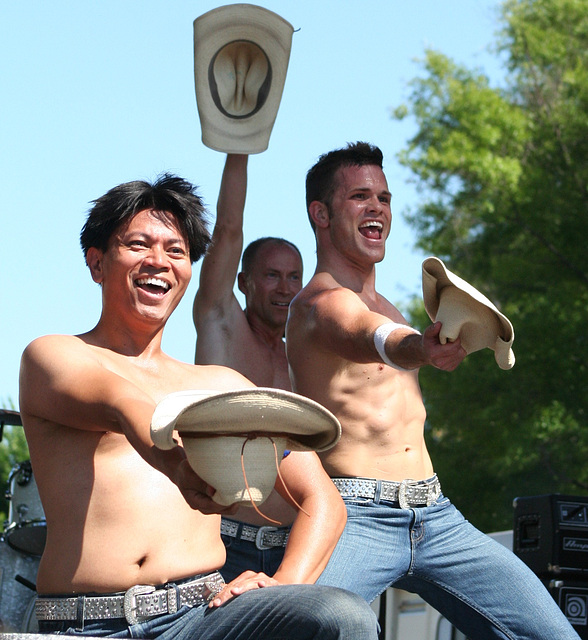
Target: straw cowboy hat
(241,54)
(217,428)
(466,313)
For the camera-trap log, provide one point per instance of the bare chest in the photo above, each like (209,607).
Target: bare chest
(263,365)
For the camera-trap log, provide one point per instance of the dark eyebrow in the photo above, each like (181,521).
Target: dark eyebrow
(366,189)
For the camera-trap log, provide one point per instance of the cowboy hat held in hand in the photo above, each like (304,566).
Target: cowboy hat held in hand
(241,55)
(217,428)
(466,313)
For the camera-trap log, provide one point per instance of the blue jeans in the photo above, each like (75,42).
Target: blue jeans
(243,555)
(481,587)
(296,612)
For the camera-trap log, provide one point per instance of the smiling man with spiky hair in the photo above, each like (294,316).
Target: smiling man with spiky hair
(133,537)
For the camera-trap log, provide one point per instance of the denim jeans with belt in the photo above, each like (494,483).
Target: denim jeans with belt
(243,555)
(296,612)
(477,584)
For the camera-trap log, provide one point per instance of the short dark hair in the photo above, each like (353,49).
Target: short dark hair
(253,248)
(320,179)
(168,193)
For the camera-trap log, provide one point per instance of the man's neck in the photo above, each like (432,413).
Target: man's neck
(270,336)
(144,343)
(359,278)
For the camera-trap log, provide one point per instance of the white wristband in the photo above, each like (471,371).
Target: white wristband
(380,336)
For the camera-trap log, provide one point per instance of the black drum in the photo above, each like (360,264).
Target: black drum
(26,528)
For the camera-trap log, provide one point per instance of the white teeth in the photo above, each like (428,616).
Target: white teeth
(371,223)
(154,281)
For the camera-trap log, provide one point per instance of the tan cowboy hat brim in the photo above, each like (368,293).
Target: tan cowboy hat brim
(306,424)
(466,313)
(241,55)
(235,440)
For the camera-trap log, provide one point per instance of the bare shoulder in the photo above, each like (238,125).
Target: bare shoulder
(51,369)
(324,295)
(56,341)
(55,348)
(320,287)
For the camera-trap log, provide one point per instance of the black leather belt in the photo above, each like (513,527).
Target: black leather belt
(137,603)
(262,537)
(408,493)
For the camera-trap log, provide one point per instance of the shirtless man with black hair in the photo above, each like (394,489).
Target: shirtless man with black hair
(351,350)
(133,542)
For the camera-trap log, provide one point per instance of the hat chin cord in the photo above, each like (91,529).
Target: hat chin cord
(252,437)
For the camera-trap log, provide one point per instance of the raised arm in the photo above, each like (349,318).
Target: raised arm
(221,262)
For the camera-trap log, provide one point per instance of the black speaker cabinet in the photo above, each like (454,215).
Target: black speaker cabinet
(572,599)
(550,534)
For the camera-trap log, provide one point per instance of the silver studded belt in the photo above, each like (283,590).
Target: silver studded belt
(262,537)
(136,604)
(408,493)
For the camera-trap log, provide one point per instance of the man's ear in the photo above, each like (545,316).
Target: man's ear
(319,214)
(242,283)
(94,259)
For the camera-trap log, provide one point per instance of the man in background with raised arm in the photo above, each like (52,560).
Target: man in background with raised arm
(251,341)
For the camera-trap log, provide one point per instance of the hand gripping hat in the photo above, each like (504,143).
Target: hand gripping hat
(220,431)
(241,54)
(466,313)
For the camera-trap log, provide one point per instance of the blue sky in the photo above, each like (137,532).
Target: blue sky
(96,93)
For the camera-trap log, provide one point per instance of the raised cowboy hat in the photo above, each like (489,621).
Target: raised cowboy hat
(466,313)
(241,54)
(216,427)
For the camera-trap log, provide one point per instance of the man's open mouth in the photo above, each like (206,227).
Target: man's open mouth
(153,285)
(372,229)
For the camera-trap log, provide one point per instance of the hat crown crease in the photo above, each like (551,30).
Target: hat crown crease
(240,72)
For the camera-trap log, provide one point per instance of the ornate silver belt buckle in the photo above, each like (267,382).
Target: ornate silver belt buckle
(214,587)
(402,494)
(259,537)
(433,493)
(130,601)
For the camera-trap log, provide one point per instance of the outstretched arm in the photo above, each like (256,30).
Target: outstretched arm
(341,323)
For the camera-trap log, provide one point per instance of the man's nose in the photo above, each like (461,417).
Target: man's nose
(375,204)
(284,285)
(156,256)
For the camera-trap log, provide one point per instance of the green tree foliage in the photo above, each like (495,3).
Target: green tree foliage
(503,178)
(13,451)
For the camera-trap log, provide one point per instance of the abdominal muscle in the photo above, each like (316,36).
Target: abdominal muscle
(382,419)
(106,533)
(364,460)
